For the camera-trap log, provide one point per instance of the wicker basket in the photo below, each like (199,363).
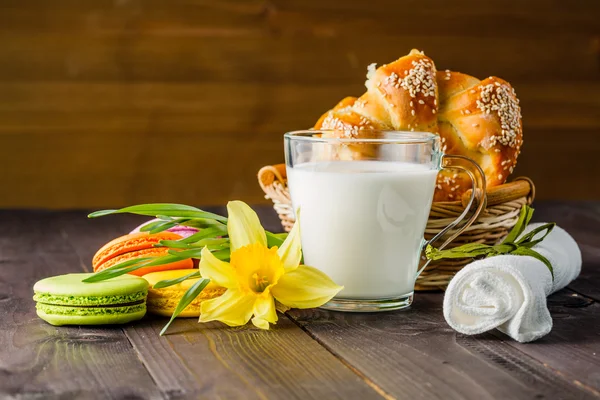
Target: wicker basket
(504,203)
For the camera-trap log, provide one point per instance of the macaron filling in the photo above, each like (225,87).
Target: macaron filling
(55,299)
(90,310)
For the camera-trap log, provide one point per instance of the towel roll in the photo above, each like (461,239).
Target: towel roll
(509,292)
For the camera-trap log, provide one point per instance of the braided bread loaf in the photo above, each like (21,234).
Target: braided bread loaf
(477,119)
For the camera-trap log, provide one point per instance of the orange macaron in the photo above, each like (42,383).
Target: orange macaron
(136,245)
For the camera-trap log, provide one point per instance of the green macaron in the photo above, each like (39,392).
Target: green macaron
(66,300)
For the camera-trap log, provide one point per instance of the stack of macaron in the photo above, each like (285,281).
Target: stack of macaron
(181,230)
(66,300)
(137,245)
(163,301)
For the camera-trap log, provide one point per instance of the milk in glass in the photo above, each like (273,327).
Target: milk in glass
(362,222)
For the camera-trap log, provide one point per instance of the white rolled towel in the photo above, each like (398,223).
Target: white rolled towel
(509,292)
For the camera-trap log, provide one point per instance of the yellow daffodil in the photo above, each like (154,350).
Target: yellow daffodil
(257,276)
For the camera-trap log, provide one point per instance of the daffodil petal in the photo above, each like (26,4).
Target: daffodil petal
(243,226)
(219,272)
(305,287)
(264,312)
(233,308)
(260,323)
(290,251)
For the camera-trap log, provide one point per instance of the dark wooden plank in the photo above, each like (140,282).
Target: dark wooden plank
(352,19)
(129,76)
(213,361)
(149,41)
(38,360)
(572,349)
(294,57)
(582,221)
(414,354)
(178,106)
(125,159)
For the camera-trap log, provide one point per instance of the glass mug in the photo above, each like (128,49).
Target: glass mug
(364,205)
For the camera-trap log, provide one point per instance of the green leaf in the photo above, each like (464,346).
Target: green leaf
(529,240)
(170,282)
(211,243)
(469,250)
(132,265)
(223,255)
(165,217)
(192,253)
(119,269)
(524,251)
(522,246)
(166,209)
(161,226)
(211,232)
(275,239)
(185,301)
(202,223)
(524,218)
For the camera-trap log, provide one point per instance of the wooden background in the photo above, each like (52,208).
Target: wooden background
(106,103)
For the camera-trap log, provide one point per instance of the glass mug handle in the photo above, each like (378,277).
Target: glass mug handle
(478,194)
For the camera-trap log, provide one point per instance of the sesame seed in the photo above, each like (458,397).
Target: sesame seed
(501,100)
(411,104)
(467,112)
(412,112)
(420,79)
(420,102)
(433,110)
(499,177)
(475,125)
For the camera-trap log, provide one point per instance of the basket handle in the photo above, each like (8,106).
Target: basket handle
(267,175)
(520,187)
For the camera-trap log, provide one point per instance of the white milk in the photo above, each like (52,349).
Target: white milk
(362,222)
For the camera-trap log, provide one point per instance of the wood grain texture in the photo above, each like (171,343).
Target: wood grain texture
(566,358)
(582,221)
(38,360)
(396,354)
(214,361)
(572,349)
(425,358)
(92,92)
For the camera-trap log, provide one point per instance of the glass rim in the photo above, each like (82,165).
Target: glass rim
(389,136)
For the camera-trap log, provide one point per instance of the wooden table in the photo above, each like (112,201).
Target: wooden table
(311,354)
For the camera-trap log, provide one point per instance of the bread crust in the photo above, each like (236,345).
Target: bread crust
(480,119)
